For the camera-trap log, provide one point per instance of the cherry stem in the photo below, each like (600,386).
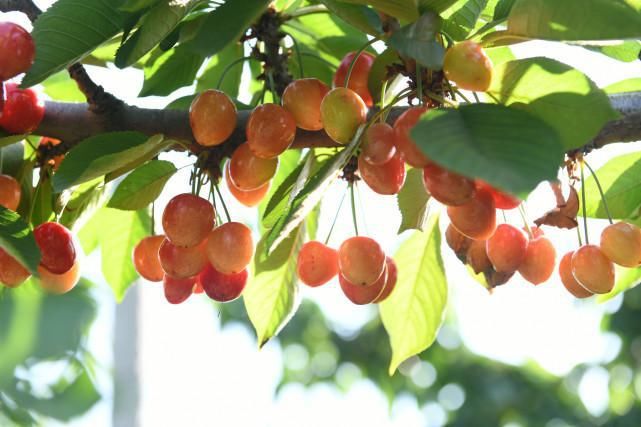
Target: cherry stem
(307,10)
(299,57)
(525,221)
(272,87)
(340,205)
(419,83)
(476,97)
(441,99)
(358,54)
(383,94)
(578,235)
(598,185)
(220,196)
(354,220)
(228,68)
(585,218)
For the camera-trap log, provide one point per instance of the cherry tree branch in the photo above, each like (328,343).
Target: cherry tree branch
(25,6)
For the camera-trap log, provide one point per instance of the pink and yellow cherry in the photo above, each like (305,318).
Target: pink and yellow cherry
(317,264)
(361,260)
(181,262)
(447,187)
(358,80)
(303,99)
(403,139)
(477,258)
(467,65)
(230,247)
(270,130)
(10,192)
(507,248)
(59,283)
(249,172)
(23,110)
(18,50)
(248,198)
(390,283)
(222,287)
(502,200)
(593,269)
(146,260)
(378,144)
(342,112)
(177,290)
(568,280)
(540,259)
(477,218)
(188,219)
(58,253)
(621,242)
(385,179)
(12,273)
(213,117)
(362,295)
(458,242)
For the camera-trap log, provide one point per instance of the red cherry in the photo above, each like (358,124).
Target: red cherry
(12,273)
(506,248)
(198,289)
(230,247)
(361,260)
(22,111)
(390,283)
(477,218)
(59,283)
(540,258)
(593,270)
(270,130)
(362,295)
(222,287)
(178,290)
(386,179)
(447,187)
(502,200)
(146,259)
(188,219)
(303,98)
(403,140)
(358,80)
(10,192)
(317,264)
(378,144)
(180,262)
(458,242)
(56,247)
(18,50)
(477,258)
(568,280)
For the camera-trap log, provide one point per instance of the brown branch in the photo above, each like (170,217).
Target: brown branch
(25,6)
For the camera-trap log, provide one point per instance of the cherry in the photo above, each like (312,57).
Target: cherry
(361,260)
(248,172)
(593,269)
(477,257)
(56,247)
(270,130)
(230,247)
(22,111)
(358,80)
(59,283)
(390,283)
(621,242)
(362,295)
(180,262)
(447,187)
(458,242)
(385,179)
(317,264)
(506,248)
(146,259)
(342,112)
(12,273)
(568,280)
(18,50)
(213,117)
(178,290)
(248,198)
(378,144)
(403,140)
(10,192)
(198,289)
(540,258)
(222,287)
(475,219)
(303,99)
(46,142)
(188,219)
(467,65)
(502,200)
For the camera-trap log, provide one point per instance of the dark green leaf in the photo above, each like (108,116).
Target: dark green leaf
(137,5)
(17,240)
(358,16)
(436,6)
(505,147)
(217,65)
(405,10)
(503,9)
(172,70)
(461,19)
(42,210)
(142,186)
(418,41)
(378,74)
(412,202)
(6,139)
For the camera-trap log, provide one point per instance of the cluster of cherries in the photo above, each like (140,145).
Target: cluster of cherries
(195,255)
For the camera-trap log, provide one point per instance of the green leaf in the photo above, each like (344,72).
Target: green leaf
(280,198)
(627,51)
(436,6)
(412,202)
(17,240)
(217,66)
(142,186)
(42,210)
(405,10)
(358,16)
(418,41)
(172,70)
(158,23)
(137,5)
(227,23)
(271,297)
(556,93)
(6,139)
(414,312)
(101,154)
(274,205)
(561,20)
(70,30)
(378,74)
(626,278)
(621,185)
(82,202)
(505,147)
(461,19)
(62,88)
(629,85)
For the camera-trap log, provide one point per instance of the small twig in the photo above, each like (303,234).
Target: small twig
(25,6)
